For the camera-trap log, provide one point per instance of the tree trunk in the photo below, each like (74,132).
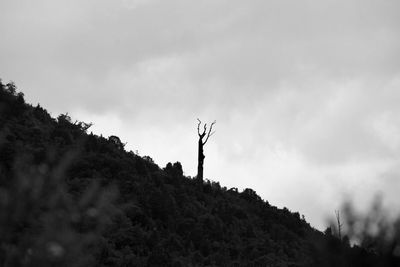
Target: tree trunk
(200,161)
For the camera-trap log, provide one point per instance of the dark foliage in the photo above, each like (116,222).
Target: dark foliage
(60,206)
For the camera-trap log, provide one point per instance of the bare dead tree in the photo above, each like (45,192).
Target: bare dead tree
(204,135)
(339,224)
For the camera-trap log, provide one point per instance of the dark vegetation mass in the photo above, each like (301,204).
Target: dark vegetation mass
(72,198)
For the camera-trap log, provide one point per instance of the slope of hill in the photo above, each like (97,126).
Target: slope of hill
(72,198)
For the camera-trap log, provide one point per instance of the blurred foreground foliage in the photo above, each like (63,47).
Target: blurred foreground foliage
(72,198)
(41,224)
(375,235)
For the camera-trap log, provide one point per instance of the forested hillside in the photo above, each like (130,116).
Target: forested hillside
(72,198)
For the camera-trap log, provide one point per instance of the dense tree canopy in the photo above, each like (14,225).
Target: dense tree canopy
(72,198)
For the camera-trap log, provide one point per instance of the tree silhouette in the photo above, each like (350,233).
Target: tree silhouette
(339,224)
(202,135)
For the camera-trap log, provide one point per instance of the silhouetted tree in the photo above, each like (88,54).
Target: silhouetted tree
(339,224)
(116,141)
(202,135)
(175,169)
(328,231)
(11,88)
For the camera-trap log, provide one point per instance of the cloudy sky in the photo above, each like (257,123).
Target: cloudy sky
(305,93)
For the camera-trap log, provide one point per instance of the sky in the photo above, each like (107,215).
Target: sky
(305,93)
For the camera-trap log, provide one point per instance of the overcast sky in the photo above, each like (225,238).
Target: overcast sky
(305,93)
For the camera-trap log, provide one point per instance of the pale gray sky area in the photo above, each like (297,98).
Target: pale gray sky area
(305,93)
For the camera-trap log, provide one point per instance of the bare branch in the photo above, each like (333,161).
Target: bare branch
(198,127)
(209,132)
